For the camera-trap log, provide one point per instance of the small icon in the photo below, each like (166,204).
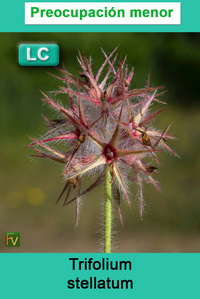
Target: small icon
(38,55)
(12,239)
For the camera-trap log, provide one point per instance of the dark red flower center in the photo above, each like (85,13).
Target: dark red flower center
(110,153)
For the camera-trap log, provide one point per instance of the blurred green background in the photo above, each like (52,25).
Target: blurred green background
(29,187)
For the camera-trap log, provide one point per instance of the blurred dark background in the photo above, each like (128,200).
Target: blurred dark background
(29,187)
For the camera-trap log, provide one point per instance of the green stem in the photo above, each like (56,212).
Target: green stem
(108,211)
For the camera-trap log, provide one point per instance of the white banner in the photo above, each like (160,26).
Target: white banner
(102,13)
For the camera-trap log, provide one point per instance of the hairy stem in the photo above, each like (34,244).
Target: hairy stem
(108,211)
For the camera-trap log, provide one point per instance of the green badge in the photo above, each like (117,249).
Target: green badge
(12,240)
(38,55)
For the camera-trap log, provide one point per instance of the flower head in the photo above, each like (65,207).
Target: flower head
(104,122)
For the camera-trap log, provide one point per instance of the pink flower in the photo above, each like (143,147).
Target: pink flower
(104,122)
